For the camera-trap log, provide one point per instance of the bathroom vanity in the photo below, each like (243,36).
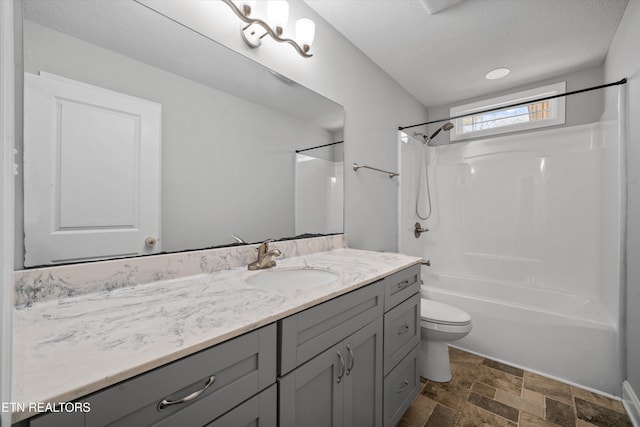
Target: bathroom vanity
(341,359)
(340,353)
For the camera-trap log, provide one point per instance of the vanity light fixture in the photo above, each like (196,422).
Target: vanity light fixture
(277,14)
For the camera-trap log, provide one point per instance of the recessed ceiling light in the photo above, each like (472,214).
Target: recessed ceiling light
(498,73)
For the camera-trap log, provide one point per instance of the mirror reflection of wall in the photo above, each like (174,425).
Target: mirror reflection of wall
(227,162)
(319,190)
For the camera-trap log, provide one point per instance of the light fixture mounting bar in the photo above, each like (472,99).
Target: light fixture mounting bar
(302,50)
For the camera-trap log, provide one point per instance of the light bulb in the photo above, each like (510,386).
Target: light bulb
(278,14)
(305,32)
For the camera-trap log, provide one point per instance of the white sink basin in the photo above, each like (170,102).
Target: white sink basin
(292,278)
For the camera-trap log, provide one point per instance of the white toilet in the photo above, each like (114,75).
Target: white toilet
(439,324)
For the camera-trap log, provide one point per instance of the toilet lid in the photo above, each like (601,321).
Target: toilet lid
(437,312)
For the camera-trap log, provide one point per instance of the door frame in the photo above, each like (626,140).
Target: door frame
(7,159)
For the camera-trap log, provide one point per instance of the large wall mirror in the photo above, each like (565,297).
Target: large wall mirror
(229,131)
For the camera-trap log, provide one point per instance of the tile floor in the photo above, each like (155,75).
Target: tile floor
(484,392)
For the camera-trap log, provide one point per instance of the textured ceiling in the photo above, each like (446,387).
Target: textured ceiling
(442,58)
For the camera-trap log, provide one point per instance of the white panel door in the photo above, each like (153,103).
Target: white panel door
(91,172)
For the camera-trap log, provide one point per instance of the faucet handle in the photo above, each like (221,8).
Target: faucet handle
(264,247)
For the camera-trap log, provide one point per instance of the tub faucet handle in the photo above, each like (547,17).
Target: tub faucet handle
(418,230)
(425,262)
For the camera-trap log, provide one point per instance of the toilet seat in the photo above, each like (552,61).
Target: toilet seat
(442,314)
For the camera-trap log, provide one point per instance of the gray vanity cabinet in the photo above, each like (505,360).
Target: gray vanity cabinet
(317,386)
(192,391)
(331,362)
(401,342)
(342,386)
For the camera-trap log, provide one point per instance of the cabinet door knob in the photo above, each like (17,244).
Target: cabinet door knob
(150,242)
(164,403)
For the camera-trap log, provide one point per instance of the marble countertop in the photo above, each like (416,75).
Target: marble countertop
(70,347)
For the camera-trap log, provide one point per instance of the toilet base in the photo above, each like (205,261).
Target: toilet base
(434,361)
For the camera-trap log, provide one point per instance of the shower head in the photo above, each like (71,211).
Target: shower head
(427,139)
(445,127)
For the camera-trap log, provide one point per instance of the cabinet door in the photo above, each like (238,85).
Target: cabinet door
(259,411)
(363,377)
(312,395)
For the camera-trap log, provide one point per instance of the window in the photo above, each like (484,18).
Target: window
(528,116)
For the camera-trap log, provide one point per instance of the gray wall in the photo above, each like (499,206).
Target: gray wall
(205,195)
(580,109)
(623,61)
(375,105)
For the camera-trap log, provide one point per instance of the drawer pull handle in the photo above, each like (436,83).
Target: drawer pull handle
(404,387)
(341,368)
(353,359)
(404,284)
(403,329)
(165,402)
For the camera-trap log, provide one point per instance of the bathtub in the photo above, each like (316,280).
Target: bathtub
(566,336)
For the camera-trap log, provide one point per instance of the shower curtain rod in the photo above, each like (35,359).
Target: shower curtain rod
(319,146)
(620,82)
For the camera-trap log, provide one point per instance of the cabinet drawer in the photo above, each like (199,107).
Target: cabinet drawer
(401,331)
(238,369)
(401,386)
(261,410)
(57,419)
(400,286)
(310,332)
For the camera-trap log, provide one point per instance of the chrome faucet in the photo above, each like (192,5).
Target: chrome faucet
(265,257)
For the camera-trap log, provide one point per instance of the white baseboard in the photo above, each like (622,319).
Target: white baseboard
(631,403)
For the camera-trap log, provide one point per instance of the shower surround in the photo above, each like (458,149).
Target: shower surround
(525,237)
